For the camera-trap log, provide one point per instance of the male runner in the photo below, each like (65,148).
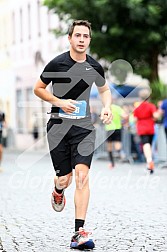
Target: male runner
(71,135)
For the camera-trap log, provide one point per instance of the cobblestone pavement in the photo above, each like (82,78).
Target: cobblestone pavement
(127,210)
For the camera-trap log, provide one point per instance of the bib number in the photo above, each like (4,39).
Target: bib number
(80,111)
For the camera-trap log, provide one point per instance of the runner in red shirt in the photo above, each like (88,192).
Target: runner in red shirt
(145,114)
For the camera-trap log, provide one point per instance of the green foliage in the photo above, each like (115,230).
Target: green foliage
(159,91)
(133,30)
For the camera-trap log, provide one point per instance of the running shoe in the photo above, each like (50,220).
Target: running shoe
(81,240)
(150,167)
(58,201)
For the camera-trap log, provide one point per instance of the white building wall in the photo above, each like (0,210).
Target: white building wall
(23,72)
(7,75)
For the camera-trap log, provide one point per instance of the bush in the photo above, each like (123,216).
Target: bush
(159,91)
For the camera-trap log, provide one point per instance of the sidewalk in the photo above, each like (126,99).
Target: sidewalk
(127,210)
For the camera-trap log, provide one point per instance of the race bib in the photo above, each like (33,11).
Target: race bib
(80,111)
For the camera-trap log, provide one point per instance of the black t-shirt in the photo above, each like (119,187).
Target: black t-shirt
(72,80)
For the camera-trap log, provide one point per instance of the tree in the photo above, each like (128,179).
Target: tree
(132,30)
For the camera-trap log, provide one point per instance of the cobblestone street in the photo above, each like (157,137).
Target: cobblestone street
(127,210)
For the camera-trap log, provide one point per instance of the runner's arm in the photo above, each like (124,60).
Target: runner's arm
(40,91)
(105,94)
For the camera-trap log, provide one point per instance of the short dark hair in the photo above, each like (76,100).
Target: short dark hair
(79,22)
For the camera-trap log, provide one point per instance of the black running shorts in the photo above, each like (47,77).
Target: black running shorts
(114,135)
(146,139)
(71,142)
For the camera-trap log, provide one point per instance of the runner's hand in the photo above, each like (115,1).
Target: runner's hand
(106,115)
(68,106)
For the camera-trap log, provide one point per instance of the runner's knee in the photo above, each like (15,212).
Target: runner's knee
(81,179)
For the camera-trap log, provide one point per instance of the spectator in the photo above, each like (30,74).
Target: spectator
(35,131)
(2,124)
(114,133)
(145,114)
(163,111)
(135,139)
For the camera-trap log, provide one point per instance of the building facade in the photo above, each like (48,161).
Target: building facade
(27,43)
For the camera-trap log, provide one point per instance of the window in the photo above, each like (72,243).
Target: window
(49,19)
(29,108)
(39,17)
(29,21)
(21,25)
(13,28)
(4,32)
(19,111)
